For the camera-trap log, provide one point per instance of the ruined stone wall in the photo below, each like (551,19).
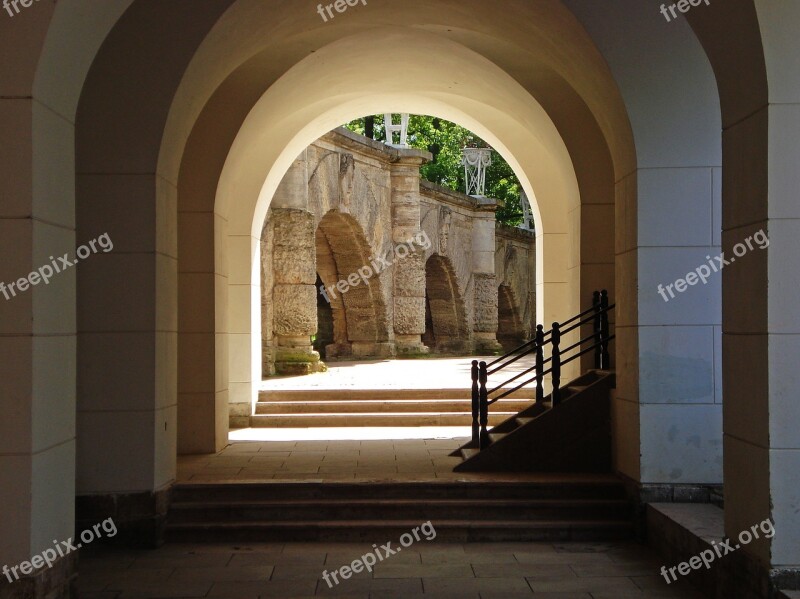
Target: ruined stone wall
(515,268)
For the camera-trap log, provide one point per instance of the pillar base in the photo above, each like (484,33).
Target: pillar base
(239,415)
(366,349)
(338,351)
(298,361)
(410,345)
(60,580)
(487,344)
(140,518)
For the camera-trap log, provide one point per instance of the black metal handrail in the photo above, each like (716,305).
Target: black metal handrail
(600,338)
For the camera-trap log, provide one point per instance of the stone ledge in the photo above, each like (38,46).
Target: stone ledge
(446,195)
(679,531)
(508,232)
(371,147)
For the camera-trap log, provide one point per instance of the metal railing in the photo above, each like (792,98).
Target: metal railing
(483,397)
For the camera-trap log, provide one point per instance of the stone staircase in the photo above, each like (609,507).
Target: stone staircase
(377,407)
(553,507)
(572,436)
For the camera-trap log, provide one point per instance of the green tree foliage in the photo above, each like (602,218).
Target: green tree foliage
(445,141)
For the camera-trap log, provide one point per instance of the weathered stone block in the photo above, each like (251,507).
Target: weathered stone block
(294,253)
(292,228)
(409,276)
(295,310)
(409,315)
(295,265)
(485,303)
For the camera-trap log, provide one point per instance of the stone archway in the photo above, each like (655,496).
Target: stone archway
(444,308)
(360,324)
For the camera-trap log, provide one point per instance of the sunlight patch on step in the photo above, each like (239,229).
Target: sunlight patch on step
(349,433)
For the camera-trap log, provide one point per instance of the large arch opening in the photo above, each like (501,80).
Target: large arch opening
(359,314)
(521,131)
(444,307)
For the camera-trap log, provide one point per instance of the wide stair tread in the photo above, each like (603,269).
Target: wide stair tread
(344,394)
(388,523)
(312,408)
(564,507)
(382,406)
(393,419)
(545,487)
(472,530)
(479,503)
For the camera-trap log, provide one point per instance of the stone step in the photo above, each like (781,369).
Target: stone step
(548,486)
(463,531)
(381,406)
(376,419)
(565,507)
(401,509)
(468,452)
(343,394)
(495,437)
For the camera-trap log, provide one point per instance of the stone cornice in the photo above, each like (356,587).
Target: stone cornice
(508,232)
(456,198)
(376,149)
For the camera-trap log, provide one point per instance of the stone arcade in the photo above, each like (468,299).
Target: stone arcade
(347,199)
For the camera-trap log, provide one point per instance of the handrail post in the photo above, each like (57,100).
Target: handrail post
(484,406)
(539,364)
(555,367)
(476,405)
(598,352)
(605,331)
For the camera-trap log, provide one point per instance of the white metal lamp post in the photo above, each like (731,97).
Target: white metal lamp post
(401,129)
(475,162)
(527,212)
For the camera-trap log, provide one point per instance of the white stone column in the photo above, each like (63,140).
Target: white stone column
(761,313)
